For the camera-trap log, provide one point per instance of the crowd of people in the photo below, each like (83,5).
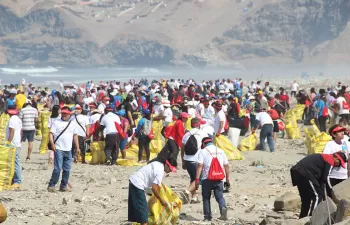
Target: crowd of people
(120,114)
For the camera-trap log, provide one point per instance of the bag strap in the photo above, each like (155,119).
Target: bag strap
(80,125)
(62,132)
(216,152)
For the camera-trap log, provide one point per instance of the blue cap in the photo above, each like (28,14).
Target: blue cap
(146,112)
(121,112)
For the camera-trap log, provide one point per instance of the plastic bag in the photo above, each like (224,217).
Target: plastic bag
(249,143)
(160,215)
(4,118)
(7,166)
(157,143)
(45,131)
(293,132)
(188,124)
(231,152)
(97,152)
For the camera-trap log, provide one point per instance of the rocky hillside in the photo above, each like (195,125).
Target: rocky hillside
(173,32)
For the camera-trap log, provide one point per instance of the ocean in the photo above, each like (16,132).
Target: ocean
(51,76)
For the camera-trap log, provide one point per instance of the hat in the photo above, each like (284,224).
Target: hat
(335,129)
(190,103)
(172,168)
(77,106)
(166,103)
(341,156)
(218,105)
(184,115)
(197,122)
(114,92)
(106,98)
(146,112)
(92,105)
(121,112)
(251,97)
(12,111)
(205,141)
(28,101)
(221,92)
(65,111)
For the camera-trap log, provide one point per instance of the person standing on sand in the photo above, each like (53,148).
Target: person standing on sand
(29,117)
(83,130)
(191,145)
(13,137)
(266,124)
(62,133)
(205,158)
(220,119)
(311,174)
(148,176)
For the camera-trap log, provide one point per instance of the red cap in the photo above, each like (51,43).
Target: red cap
(66,111)
(12,111)
(337,129)
(342,162)
(106,99)
(184,115)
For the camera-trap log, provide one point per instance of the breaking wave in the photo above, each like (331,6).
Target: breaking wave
(31,70)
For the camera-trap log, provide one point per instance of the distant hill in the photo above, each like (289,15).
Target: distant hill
(174,32)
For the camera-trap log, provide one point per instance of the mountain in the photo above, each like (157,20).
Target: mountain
(174,32)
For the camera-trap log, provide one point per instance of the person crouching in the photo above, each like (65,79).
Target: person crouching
(311,174)
(150,175)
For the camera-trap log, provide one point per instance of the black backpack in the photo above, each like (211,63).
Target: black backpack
(191,146)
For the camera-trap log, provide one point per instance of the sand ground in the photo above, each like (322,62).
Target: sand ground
(100,192)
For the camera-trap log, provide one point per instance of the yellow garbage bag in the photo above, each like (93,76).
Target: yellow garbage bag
(7,166)
(249,143)
(45,131)
(133,153)
(242,113)
(98,155)
(164,215)
(4,118)
(88,157)
(157,143)
(293,132)
(128,162)
(231,152)
(320,142)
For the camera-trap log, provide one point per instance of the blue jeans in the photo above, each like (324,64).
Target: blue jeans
(17,177)
(63,161)
(267,132)
(218,188)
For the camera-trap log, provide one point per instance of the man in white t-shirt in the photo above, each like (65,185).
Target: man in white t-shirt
(343,109)
(189,154)
(220,119)
(13,137)
(102,106)
(83,130)
(295,87)
(62,133)
(149,176)
(205,156)
(108,122)
(266,124)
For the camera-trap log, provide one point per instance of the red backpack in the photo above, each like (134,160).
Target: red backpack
(216,172)
(274,114)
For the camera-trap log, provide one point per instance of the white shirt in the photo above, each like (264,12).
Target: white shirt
(199,135)
(205,158)
(220,117)
(51,121)
(84,121)
(332,147)
(168,113)
(192,112)
(264,118)
(64,142)
(158,109)
(209,111)
(15,123)
(108,121)
(340,101)
(152,173)
(295,87)
(87,101)
(94,118)
(101,108)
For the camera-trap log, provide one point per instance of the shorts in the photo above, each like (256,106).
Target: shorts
(276,129)
(123,143)
(191,169)
(111,142)
(28,135)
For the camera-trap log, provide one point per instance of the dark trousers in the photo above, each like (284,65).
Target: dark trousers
(111,148)
(144,142)
(309,193)
(207,187)
(267,133)
(322,123)
(333,182)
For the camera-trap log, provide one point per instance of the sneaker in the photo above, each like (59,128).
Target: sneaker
(51,189)
(186,197)
(66,189)
(108,162)
(27,159)
(15,186)
(195,200)
(223,214)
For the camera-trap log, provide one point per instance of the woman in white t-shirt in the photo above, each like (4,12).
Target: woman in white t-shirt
(338,144)
(343,106)
(87,100)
